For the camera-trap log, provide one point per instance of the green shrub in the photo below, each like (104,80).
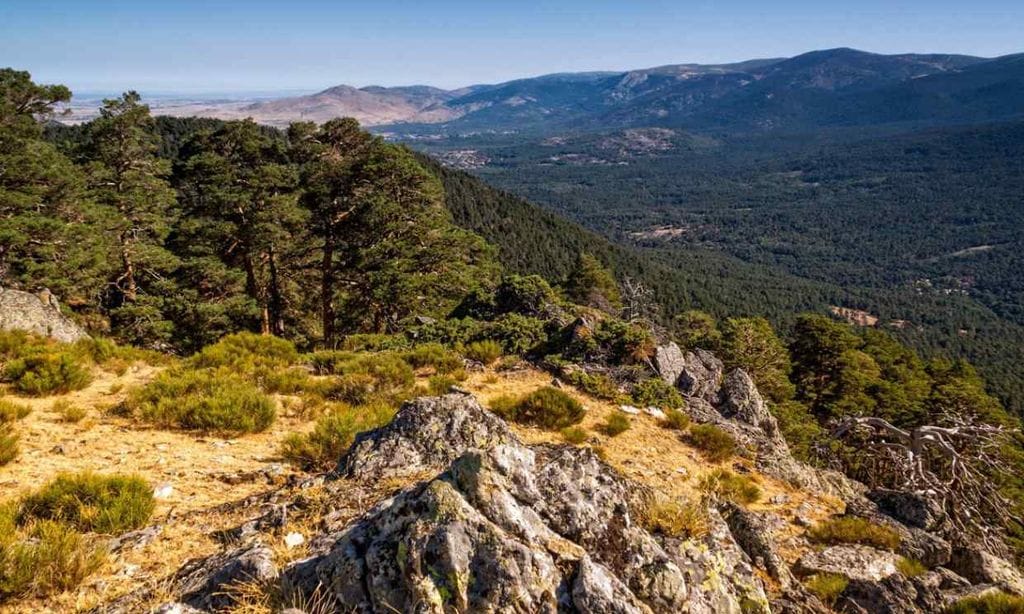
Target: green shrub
(625,343)
(374,343)
(353,388)
(548,408)
(655,392)
(68,412)
(285,381)
(714,443)
(247,352)
(332,435)
(517,334)
(11,412)
(676,419)
(45,374)
(486,351)
(597,385)
(989,603)
(205,400)
(434,355)
(329,362)
(911,568)
(827,586)
(615,425)
(526,295)
(675,519)
(574,435)
(8,444)
(46,558)
(730,486)
(854,530)
(18,344)
(439,385)
(109,504)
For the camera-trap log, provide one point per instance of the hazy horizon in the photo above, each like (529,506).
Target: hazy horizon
(307,45)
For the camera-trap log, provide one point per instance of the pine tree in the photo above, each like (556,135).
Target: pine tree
(240,204)
(591,284)
(128,180)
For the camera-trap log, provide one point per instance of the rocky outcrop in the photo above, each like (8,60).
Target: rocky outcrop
(207,583)
(753,531)
(740,400)
(38,314)
(697,373)
(980,567)
(510,527)
(912,509)
(854,561)
(427,435)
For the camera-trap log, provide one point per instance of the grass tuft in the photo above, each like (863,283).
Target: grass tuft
(574,435)
(486,351)
(827,586)
(715,444)
(990,603)
(548,408)
(332,435)
(615,425)
(725,484)
(87,501)
(675,518)
(854,530)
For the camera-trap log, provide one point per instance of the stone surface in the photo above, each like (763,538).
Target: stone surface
(514,528)
(979,567)
(739,399)
(668,360)
(427,434)
(854,561)
(37,313)
(753,531)
(912,509)
(205,583)
(701,375)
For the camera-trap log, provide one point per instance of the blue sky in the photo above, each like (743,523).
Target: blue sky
(220,46)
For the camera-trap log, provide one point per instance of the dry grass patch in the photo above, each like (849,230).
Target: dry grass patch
(854,530)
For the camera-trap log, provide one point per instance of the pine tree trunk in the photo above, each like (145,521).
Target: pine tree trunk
(129,288)
(276,296)
(327,290)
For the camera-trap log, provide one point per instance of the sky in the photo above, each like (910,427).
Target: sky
(261,46)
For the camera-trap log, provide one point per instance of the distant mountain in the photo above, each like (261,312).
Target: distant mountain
(833,87)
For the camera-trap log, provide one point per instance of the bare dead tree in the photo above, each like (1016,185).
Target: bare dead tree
(637,300)
(954,465)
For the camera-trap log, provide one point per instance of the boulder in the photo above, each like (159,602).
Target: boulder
(510,527)
(427,434)
(668,360)
(754,532)
(854,561)
(910,508)
(206,583)
(701,375)
(37,313)
(980,567)
(740,400)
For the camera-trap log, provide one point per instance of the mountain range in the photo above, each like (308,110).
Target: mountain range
(834,87)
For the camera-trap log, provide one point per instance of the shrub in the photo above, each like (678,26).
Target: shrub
(485,351)
(11,411)
(625,343)
(49,557)
(329,362)
(989,603)
(675,519)
(574,435)
(434,355)
(615,425)
(655,392)
(285,381)
(517,334)
(714,443)
(911,568)
(206,400)
(676,419)
(854,530)
(88,501)
(246,351)
(827,586)
(438,385)
(68,412)
(374,343)
(333,435)
(8,444)
(730,486)
(389,372)
(44,374)
(595,384)
(547,408)
(527,295)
